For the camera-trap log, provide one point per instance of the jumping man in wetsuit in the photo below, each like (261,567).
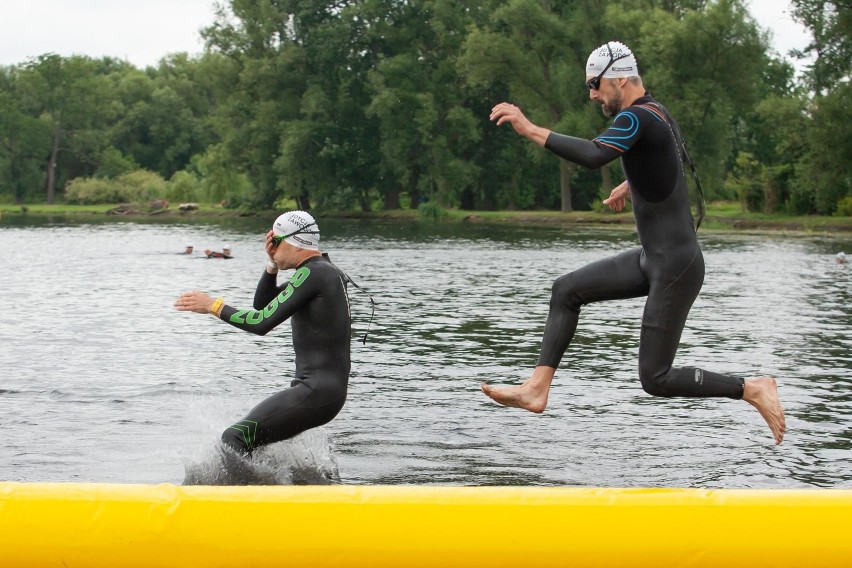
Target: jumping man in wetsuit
(668,267)
(315,300)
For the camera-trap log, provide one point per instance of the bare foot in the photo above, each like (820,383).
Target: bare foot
(531,395)
(762,393)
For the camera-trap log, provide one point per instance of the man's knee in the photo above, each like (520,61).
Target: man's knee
(234,439)
(564,292)
(655,383)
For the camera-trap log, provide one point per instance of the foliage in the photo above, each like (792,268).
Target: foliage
(430,211)
(826,167)
(844,207)
(830,25)
(133,187)
(746,182)
(184,187)
(380,103)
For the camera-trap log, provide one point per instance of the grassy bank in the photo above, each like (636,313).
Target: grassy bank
(719,216)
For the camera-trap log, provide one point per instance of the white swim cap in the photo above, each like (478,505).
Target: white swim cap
(841,256)
(299,228)
(623,61)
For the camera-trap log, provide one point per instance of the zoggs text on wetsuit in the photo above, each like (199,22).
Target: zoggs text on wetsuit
(315,300)
(668,267)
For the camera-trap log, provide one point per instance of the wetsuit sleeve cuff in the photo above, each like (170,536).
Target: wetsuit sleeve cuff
(216,308)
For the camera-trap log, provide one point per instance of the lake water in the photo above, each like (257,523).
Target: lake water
(103,381)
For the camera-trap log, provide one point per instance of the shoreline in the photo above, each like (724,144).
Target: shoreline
(721,220)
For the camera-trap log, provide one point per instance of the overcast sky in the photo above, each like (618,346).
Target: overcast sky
(143,31)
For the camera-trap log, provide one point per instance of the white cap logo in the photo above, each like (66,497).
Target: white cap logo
(613,59)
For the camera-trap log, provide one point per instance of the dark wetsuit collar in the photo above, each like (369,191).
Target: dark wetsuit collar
(644,99)
(323,256)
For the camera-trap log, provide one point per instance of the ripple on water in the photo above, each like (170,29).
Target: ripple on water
(105,381)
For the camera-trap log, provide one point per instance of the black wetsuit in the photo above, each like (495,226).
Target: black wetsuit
(315,299)
(668,266)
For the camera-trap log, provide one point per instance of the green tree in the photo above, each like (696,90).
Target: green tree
(165,114)
(830,25)
(706,67)
(73,100)
(775,140)
(260,88)
(825,172)
(531,47)
(827,167)
(428,134)
(22,141)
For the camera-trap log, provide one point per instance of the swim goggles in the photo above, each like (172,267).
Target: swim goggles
(276,239)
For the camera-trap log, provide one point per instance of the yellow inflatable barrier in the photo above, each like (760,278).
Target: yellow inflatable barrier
(73,525)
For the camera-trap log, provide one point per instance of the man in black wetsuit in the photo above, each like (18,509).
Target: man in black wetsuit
(668,267)
(315,298)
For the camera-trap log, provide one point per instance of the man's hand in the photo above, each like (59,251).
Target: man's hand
(616,198)
(506,112)
(194,301)
(270,248)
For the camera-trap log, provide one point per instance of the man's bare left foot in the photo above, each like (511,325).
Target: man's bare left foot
(762,393)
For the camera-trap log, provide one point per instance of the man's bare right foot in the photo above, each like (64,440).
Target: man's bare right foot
(531,395)
(762,393)
(516,397)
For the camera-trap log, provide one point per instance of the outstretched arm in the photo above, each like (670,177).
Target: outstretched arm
(578,150)
(587,153)
(294,295)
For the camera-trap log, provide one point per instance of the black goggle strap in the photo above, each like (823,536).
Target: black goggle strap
(701,204)
(348,280)
(608,65)
(300,230)
(304,230)
(372,309)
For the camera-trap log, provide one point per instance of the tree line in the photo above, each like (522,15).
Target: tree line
(383,104)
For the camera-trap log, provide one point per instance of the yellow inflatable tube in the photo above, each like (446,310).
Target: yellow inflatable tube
(73,525)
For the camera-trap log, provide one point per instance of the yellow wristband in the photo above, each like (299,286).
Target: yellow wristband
(216,308)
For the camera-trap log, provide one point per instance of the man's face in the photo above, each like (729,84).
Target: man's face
(285,256)
(608,96)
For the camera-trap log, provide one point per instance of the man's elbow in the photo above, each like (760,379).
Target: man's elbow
(593,161)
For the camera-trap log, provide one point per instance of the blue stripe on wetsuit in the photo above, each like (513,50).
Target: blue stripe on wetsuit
(630,131)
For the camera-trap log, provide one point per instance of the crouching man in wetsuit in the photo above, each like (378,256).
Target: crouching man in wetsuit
(315,298)
(668,267)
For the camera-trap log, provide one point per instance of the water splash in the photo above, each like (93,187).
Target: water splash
(306,459)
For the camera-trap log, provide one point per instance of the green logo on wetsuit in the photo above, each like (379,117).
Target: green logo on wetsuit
(254,317)
(248,430)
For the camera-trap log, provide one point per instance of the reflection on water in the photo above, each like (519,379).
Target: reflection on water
(105,381)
